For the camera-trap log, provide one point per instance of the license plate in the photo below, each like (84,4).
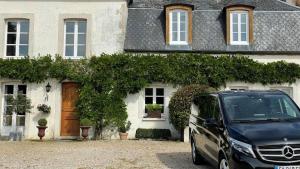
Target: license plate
(287,167)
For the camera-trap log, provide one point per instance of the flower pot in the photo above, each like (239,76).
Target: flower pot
(154,114)
(41,132)
(85,131)
(123,136)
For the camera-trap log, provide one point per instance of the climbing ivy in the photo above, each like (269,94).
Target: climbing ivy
(106,80)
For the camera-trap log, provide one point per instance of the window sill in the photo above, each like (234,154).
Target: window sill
(154,119)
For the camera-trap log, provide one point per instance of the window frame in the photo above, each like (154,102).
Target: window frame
(169,10)
(249,27)
(239,41)
(18,35)
(154,96)
(75,44)
(179,29)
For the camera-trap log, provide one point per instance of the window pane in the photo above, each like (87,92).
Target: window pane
(70,27)
(235,37)
(11,39)
(81,51)
(174,36)
(11,26)
(7,120)
(244,37)
(82,27)
(174,17)
(235,18)
(23,38)
(243,18)
(174,27)
(11,50)
(149,92)
(69,38)
(159,92)
(182,27)
(243,27)
(9,89)
(235,27)
(81,38)
(149,100)
(22,89)
(24,25)
(20,121)
(23,50)
(8,110)
(159,100)
(182,36)
(69,50)
(182,16)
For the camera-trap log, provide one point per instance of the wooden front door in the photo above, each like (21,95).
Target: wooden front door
(69,119)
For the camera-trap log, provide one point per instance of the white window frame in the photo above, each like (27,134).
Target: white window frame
(178,42)
(154,98)
(18,34)
(238,88)
(76,33)
(239,42)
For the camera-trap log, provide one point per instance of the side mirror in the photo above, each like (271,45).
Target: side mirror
(211,123)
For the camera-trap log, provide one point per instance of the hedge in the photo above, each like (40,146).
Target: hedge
(153,133)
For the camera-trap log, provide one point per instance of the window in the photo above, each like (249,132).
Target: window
(178,25)
(13,116)
(239,25)
(208,107)
(239,28)
(75,39)
(287,90)
(238,88)
(155,96)
(17,38)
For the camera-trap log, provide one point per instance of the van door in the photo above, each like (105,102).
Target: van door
(209,110)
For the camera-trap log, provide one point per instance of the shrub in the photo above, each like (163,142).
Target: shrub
(153,133)
(44,108)
(180,105)
(153,107)
(42,122)
(124,128)
(86,122)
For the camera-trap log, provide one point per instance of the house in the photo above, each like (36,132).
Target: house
(72,29)
(264,30)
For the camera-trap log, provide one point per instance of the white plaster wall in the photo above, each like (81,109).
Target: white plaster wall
(135,108)
(108,22)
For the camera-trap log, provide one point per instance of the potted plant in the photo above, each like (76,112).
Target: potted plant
(154,110)
(123,128)
(44,108)
(42,125)
(85,125)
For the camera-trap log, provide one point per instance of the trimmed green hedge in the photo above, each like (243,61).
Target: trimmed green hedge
(153,133)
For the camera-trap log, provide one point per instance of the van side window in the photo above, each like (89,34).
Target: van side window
(208,107)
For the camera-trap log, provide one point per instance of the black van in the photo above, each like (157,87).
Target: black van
(246,130)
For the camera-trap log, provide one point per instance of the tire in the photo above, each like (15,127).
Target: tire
(223,163)
(196,156)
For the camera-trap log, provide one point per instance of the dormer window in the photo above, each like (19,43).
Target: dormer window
(239,25)
(178,25)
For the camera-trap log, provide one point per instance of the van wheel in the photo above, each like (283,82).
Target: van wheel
(223,164)
(197,159)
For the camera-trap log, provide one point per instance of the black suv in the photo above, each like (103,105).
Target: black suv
(246,130)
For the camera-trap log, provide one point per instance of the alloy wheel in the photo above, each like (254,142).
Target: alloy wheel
(224,164)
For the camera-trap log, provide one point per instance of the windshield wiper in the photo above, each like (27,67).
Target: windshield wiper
(257,120)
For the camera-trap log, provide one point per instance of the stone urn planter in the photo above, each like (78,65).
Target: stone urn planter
(123,128)
(42,128)
(85,125)
(85,132)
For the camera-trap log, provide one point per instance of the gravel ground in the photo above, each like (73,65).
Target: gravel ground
(97,154)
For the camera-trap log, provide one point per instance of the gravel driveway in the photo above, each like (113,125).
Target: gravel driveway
(97,154)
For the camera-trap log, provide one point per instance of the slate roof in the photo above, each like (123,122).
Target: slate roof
(276,27)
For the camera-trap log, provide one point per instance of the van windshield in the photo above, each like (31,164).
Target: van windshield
(260,107)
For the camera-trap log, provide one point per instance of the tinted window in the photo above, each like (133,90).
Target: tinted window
(260,107)
(208,107)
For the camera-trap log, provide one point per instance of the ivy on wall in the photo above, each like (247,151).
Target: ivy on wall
(106,80)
